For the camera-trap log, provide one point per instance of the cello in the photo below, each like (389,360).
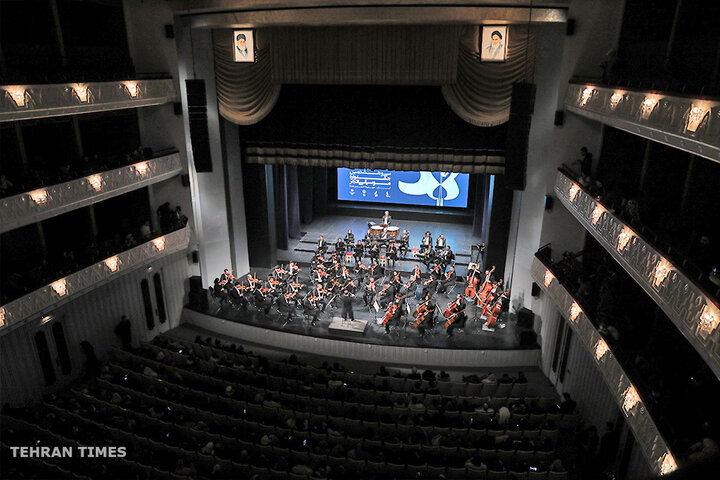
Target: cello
(451,313)
(487,286)
(390,312)
(495,310)
(420,312)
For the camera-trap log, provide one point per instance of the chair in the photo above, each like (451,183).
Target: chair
(489,389)
(296,476)
(551,434)
(458,388)
(536,419)
(537,475)
(506,456)
(569,421)
(546,403)
(447,451)
(435,471)
(441,431)
(503,389)
(487,453)
(398,468)
(473,389)
(496,475)
(278,474)
(474,472)
(456,472)
(518,475)
(533,434)
(525,456)
(445,387)
(376,468)
(557,475)
(356,465)
(519,390)
(467,452)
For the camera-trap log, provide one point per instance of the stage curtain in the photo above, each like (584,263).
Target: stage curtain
(406,55)
(482,92)
(305,185)
(293,201)
(391,158)
(245,91)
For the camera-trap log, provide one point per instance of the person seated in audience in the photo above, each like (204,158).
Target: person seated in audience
(505,379)
(416,406)
(704,451)
(521,378)
(557,466)
(491,379)
(503,415)
(181,469)
(568,405)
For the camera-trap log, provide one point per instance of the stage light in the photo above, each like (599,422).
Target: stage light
(17,94)
(630,399)
(548,278)
(159,243)
(575,311)
(586,95)
(141,168)
(95,182)
(60,287)
(662,269)
(601,348)
(39,196)
(2,317)
(574,189)
(615,100)
(113,263)
(132,88)
(81,91)
(667,464)
(624,238)
(597,213)
(709,319)
(45,319)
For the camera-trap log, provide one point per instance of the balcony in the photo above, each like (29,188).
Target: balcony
(690,123)
(651,442)
(23,102)
(72,286)
(43,203)
(689,307)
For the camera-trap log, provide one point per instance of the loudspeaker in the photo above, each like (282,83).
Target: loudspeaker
(526,318)
(549,200)
(516,150)
(570,27)
(522,101)
(177,108)
(197,117)
(185,179)
(535,290)
(559,117)
(199,300)
(195,256)
(527,338)
(196,284)
(169,31)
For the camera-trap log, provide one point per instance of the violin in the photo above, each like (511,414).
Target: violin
(428,281)
(288,296)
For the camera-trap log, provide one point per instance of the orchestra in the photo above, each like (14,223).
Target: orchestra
(332,281)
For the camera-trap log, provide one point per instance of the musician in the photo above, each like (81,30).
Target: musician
(375,270)
(226,277)
(397,304)
(460,316)
(441,243)
(429,315)
(347,308)
(386,219)
(387,294)
(293,271)
(286,305)
(370,291)
(404,242)
(262,300)
(219,291)
(477,254)
(237,297)
(430,284)
(340,246)
(358,252)
(312,308)
(446,257)
(392,253)
(375,251)
(448,278)
(349,239)
(426,242)
(322,245)
(396,280)
(429,258)
(384,236)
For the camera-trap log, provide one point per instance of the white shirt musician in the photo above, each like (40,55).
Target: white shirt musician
(426,241)
(440,244)
(386,219)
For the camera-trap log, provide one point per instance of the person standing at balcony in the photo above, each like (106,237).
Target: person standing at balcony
(585,162)
(124,331)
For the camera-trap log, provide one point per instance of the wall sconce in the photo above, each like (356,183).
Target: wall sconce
(624,238)
(647,106)
(60,287)
(159,243)
(662,269)
(95,182)
(697,113)
(141,168)
(45,319)
(597,213)
(82,92)
(709,319)
(586,95)
(132,88)
(548,278)
(39,196)
(631,398)
(17,95)
(667,464)
(2,317)
(575,311)
(601,348)
(113,263)
(615,100)
(574,191)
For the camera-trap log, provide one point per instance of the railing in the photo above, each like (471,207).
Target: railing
(687,305)
(23,102)
(31,207)
(72,286)
(685,122)
(651,442)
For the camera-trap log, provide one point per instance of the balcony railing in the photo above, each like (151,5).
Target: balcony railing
(23,102)
(31,207)
(653,446)
(687,305)
(685,122)
(72,286)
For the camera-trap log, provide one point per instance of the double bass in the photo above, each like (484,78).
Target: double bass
(495,310)
(451,313)
(390,312)
(486,287)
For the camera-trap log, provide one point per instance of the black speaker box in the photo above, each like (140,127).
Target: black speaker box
(526,318)
(185,179)
(559,117)
(570,26)
(196,284)
(197,118)
(535,291)
(549,200)
(177,108)
(195,256)
(199,300)
(516,150)
(169,31)
(522,101)
(527,338)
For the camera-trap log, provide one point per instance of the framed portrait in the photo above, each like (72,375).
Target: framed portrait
(244,45)
(493,43)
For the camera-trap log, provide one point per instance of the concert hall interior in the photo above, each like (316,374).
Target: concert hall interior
(360,239)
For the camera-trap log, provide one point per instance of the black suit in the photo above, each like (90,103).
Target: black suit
(322,245)
(386,219)
(347,308)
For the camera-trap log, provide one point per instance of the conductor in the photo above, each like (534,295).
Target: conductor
(347,308)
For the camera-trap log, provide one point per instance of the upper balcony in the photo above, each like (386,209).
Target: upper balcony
(46,202)
(690,123)
(691,309)
(651,442)
(23,102)
(62,290)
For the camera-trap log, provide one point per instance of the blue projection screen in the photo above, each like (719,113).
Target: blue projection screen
(437,189)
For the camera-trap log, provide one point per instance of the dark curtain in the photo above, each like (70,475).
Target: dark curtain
(293,201)
(281,219)
(305,187)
